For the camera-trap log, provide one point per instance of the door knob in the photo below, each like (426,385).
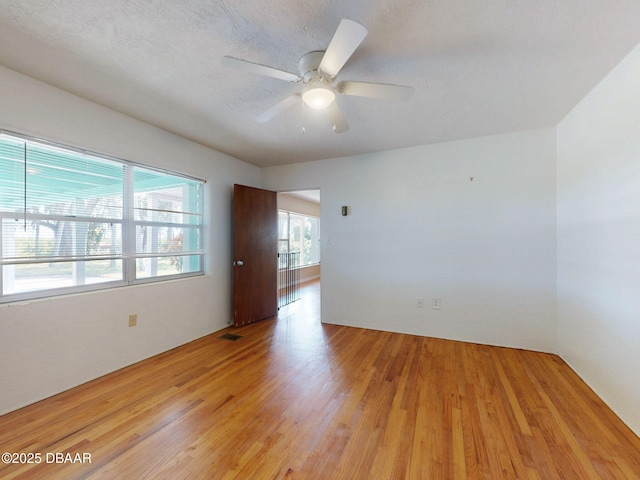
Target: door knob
(238,263)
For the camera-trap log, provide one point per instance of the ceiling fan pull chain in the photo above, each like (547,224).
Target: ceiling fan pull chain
(304,130)
(334,116)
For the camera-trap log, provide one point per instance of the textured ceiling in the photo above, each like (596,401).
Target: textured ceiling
(478,67)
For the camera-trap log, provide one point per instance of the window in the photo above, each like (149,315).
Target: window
(75,221)
(299,233)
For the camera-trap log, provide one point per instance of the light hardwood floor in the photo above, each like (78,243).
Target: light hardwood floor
(297,399)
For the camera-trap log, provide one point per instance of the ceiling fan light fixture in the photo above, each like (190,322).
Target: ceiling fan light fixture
(318,97)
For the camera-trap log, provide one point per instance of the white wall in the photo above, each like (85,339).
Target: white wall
(47,346)
(599,239)
(420,228)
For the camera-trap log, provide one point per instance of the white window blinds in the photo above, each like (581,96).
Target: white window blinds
(72,220)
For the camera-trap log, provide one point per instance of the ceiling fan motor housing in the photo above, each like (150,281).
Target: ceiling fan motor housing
(308,67)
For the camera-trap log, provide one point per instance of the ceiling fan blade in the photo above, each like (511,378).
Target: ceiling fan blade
(279,107)
(260,69)
(347,38)
(375,90)
(338,119)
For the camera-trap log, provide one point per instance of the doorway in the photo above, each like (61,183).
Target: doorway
(299,256)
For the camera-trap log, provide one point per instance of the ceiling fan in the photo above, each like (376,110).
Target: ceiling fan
(317,72)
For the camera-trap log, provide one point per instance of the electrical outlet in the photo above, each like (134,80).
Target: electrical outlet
(420,303)
(436,303)
(133,320)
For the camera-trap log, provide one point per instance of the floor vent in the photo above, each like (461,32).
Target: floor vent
(230,336)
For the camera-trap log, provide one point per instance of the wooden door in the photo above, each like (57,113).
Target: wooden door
(255,250)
